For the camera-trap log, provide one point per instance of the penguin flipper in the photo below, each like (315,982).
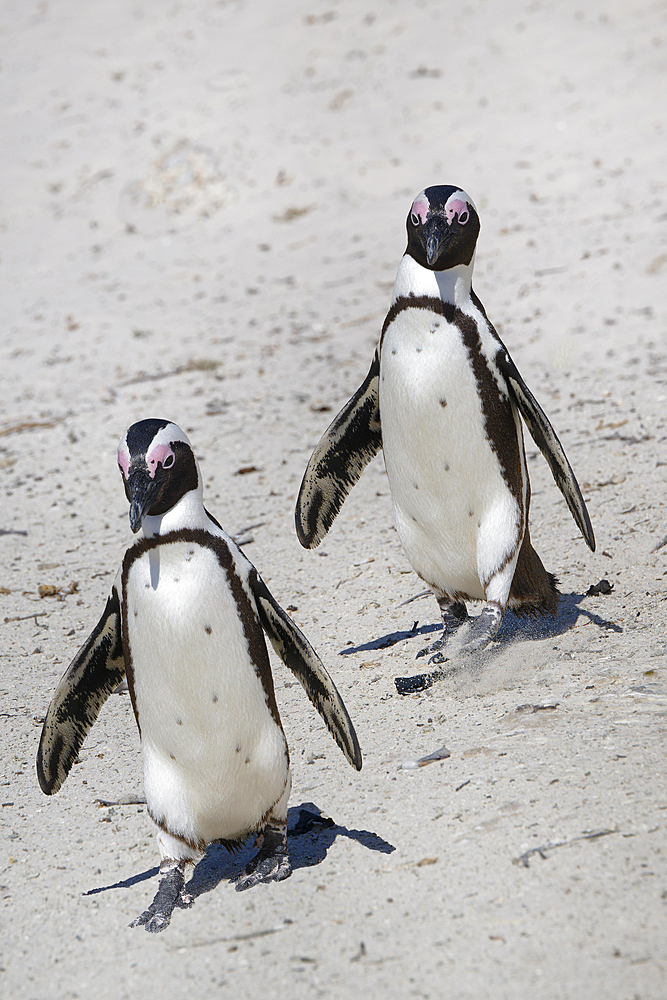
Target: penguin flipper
(95,671)
(352,439)
(296,653)
(547,441)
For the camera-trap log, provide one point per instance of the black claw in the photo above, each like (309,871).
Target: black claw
(435,647)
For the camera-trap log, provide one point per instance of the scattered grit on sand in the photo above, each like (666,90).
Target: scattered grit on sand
(203,211)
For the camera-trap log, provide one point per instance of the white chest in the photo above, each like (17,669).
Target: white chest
(184,631)
(424,362)
(430,407)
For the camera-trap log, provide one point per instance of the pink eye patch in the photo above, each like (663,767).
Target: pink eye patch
(124,462)
(457,207)
(419,210)
(160,455)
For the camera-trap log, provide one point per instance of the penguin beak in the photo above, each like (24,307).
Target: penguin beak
(142,492)
(438,235)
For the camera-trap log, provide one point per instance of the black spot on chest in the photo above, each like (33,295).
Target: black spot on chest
(428,303)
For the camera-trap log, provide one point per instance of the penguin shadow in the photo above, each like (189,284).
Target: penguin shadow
(310,834)
(384,641)
(514,628)
(125,883)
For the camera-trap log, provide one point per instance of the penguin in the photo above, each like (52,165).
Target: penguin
(444,401)
(185,624)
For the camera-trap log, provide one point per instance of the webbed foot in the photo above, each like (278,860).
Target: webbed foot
(170,894)
(480,634)
(433,648)
(454,614)
(271,864)
(483,628)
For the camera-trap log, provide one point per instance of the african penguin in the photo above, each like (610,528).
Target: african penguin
(184,622)
(443,398)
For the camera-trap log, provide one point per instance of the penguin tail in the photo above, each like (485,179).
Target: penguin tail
(534,591)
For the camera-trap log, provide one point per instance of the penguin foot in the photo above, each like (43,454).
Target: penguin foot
(435,647)
(271,864)
(483,629)
(436,651)
(454,614)
(170,894)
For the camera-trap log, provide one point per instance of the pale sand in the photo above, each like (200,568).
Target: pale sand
(216,193)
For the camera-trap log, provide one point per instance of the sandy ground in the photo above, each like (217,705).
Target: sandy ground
(203,210)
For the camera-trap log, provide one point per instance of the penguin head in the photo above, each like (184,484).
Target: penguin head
(443,226)
(158,467)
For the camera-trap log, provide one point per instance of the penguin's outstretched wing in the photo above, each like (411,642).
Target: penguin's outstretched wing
(346,447)
(296,653)
(95,671)
(546,440)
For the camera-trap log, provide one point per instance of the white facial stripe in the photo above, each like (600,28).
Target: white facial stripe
(166,435)
(420,209)
(124,456)
(459,203)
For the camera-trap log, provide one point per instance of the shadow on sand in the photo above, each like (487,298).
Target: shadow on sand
(513,629)
(310,835)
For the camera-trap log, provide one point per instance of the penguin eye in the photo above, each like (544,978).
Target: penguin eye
(414,219)
(168,462)
(463,217)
